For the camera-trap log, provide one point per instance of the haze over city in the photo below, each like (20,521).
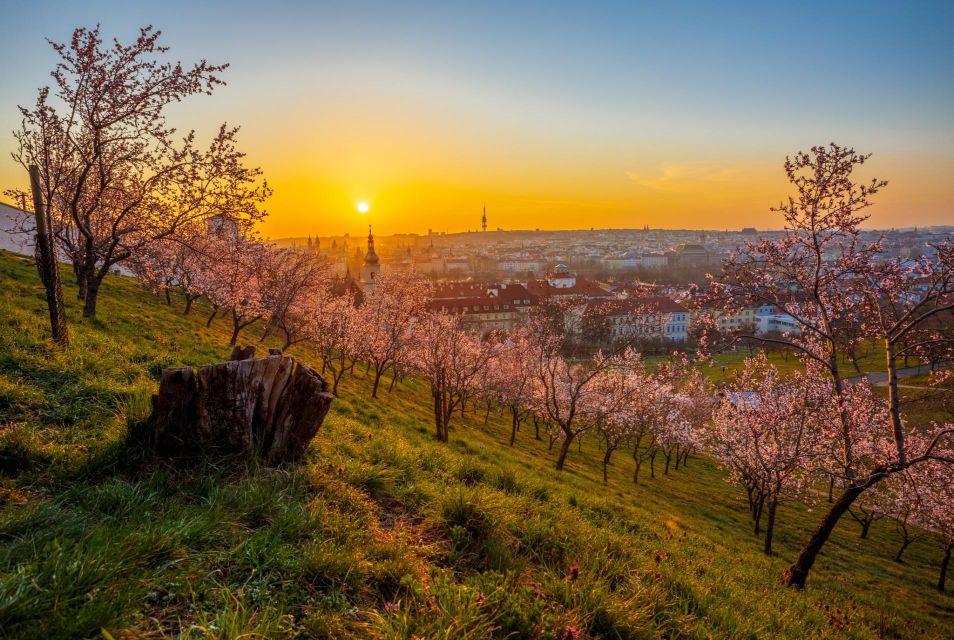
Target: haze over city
(553,115)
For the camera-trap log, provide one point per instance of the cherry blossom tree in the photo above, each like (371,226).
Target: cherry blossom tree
(935,489)
(764,433)
(510,378)
(335,331)
(571,394)
(644,422)
(173,264)
(234,281)
(945,526)
(386,315)
(297,285)
(903,500)
(839,292)
(452,359)
(117,176)
(682,404)
(154,267)
(617,427)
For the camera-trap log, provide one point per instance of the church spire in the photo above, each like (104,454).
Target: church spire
(371,257)
(371,262)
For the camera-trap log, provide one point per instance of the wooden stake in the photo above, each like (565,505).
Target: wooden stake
(47,264)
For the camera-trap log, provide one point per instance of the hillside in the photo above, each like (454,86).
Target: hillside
(383,532)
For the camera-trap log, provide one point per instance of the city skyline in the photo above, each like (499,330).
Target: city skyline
(675,117)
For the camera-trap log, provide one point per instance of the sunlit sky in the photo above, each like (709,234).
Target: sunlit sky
(554,115)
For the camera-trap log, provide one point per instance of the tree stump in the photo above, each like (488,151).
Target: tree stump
(268,407)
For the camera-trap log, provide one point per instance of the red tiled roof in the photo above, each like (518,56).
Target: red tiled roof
(476,304)
(583,288)
(629,306)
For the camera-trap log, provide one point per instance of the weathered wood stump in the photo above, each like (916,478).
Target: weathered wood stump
(269,407)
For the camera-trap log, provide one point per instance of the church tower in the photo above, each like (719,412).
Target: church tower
(483,220)
(372,264)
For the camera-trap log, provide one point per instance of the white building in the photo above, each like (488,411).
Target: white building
(776,323)
(11,225)
(654,261)
(621,262)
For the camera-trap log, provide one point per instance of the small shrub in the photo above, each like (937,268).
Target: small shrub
(376,480)
(21,450)
(464,511)
(327,565)
(470,473)
(506,480)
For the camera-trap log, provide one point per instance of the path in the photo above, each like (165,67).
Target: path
(880,378)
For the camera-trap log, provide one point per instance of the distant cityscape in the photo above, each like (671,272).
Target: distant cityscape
(632,283)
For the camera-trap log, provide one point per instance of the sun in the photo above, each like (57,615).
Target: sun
(363,207)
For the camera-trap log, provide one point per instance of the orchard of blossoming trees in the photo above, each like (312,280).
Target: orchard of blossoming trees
(124,189)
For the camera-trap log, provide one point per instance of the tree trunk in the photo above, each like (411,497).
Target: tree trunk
(865,526)
(536,429)
(945,563)
(336,378)
(831,489)
(92,295)
(564,450)
(652,464)
(797,574)
(905,541)
(514,423)
(606,461)
(236,328)
(266,407)
(80,281)
(377,381)
(215,312)
(439,415)
(770,524)
(188,305)
(894,402)
(668,456)
(757,516)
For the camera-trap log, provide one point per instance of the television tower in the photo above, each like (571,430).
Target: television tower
(483,220)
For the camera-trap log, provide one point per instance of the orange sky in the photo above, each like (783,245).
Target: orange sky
(618,115)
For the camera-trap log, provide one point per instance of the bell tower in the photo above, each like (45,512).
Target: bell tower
(372,264)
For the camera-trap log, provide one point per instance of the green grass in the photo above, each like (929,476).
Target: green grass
(473,538)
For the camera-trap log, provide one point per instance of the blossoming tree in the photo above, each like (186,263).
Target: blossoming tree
(117,177)
(764,432)
(386,316)
(451,359)
(839,291)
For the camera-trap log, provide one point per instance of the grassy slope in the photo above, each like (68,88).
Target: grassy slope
(467,536)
